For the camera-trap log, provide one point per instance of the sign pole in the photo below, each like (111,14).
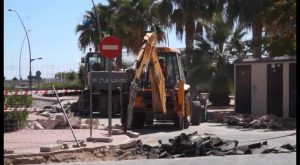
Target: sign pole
(109,97)
(110,47)
(91,106)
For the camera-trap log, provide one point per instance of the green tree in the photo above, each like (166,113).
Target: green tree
(126,19)
(70,76)
(250,13)
(185,14)
(215,48)
(280,26)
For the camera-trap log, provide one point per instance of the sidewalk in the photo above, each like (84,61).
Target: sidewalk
(30,141)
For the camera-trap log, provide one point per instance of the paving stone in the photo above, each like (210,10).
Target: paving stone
(51,148)
(102,139)
(132,134)
(65,146)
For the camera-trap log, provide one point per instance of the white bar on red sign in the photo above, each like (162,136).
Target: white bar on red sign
(110,47)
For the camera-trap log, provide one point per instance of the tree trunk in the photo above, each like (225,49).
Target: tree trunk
(189,38)
(256,38)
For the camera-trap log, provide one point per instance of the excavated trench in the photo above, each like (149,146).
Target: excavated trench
(183,145)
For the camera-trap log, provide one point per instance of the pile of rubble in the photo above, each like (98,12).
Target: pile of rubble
(192,145)
(53,118)
(252,121)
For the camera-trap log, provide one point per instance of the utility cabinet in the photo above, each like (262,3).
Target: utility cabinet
(266,86)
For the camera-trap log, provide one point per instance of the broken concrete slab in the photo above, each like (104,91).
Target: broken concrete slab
(151,142)
(102,139)
(116,132)
(51,148)
(289,147)
(37,125)
(132,134)
(48,124)
(215,141)
(129,144)
(46,114)
(75,122)
(228,145)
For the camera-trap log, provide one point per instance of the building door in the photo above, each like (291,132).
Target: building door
(275,89)
(243,89)
(292,90)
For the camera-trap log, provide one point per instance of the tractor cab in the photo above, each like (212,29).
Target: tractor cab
(93,61)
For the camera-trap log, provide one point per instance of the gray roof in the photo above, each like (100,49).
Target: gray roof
(261,60)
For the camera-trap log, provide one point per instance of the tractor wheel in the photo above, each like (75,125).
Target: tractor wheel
(196,113)
(184,122)
(179,122)
(187,108)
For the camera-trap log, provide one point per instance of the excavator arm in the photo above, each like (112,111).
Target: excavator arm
(147,60)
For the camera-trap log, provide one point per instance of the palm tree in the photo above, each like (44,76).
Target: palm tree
(251,14)
(125,19)
(131,21)
(214,48)
(88,30)
(184,14)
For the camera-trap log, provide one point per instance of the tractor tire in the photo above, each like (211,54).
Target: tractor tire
(179,123)
(196,113)
(184,122)
(187,107)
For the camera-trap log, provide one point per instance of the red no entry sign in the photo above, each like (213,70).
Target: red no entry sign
(110,47)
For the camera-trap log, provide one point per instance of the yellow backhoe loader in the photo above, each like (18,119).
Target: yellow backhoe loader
(156,93)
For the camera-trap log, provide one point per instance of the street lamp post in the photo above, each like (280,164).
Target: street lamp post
(30,79)
(20,76)
(31,60)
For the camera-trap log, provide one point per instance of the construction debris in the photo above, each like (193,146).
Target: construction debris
(251,121)
(192,145)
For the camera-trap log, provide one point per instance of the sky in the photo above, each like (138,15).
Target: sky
(52,36)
